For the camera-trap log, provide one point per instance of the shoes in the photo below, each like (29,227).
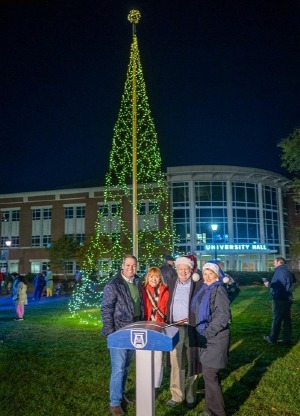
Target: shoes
(172,403)
(126,401)
(268,339)
(116,410)
(191,405)
(18,319)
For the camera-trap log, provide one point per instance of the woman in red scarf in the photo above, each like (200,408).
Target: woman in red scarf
(156,296)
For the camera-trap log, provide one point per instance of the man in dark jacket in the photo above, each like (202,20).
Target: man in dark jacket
(186,351)
(122,304)
(167,269)
(282,298)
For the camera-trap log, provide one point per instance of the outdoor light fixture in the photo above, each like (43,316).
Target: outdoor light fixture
(8,244)
(214,228)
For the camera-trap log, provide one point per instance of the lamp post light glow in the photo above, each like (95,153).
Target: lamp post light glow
(8,244)
(214,228)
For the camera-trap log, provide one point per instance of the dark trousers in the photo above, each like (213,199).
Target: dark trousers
(214,402)
(37,293)
(281,315)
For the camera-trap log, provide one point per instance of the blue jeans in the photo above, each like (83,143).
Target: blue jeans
(120,361)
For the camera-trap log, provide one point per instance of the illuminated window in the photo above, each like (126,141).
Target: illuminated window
(148,215)
(109,218)
(10,225)
(75,221)
(41,226)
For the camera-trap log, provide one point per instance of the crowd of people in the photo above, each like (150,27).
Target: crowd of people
(198,304)
(16,285)
(195,301)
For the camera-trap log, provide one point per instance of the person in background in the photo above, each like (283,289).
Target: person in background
(20,297)
(49,282)
(156,295)
(39,284)
(78,276)
(212,316)
(122,304)
(185,354)
(282,299)
(167,269)
(15,282)
(1,282)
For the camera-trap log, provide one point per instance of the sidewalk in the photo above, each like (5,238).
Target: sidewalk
(6,302)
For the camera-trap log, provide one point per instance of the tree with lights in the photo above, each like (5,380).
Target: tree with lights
(135,191)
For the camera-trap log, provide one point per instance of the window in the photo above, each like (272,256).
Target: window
(211,208)
(148,215)
(47,212)
(245,210)
(38,266)
(46,241)
(80,212)
(36,241)
(10,224)
(75,212)
(69,267)
(271,215)
(75,221)
(41,226)
(210,193)
(14,241)
(15,215)
(110,218)
(5,216)
(69,212)
(180,194)
(80,238)
(36,214)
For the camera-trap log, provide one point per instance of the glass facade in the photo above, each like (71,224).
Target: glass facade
(247,205)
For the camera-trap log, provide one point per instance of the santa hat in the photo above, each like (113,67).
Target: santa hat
(188,261)
(213,267)
(195,275)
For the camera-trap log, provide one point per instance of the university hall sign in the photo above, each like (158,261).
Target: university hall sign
(236,247)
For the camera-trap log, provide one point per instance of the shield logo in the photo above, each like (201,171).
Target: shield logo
(138,338)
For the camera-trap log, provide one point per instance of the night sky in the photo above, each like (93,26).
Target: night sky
(222,77)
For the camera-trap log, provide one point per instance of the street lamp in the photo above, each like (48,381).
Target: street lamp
(8,244)
(214,228)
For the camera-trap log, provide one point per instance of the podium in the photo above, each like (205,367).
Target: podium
(145,337)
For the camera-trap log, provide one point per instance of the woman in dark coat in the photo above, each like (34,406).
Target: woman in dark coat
(212,316)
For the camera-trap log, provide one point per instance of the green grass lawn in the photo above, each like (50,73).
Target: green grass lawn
(51,364)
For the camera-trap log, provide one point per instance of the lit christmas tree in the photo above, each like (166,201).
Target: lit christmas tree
(135,191)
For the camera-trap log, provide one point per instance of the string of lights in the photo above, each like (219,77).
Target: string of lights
(113,229)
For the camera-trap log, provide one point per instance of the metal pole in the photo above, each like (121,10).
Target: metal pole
(214,228)
(134,17)
(145,392)
(134,158)
(8,244)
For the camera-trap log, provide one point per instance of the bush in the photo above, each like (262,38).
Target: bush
(249,278)
(29,277)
